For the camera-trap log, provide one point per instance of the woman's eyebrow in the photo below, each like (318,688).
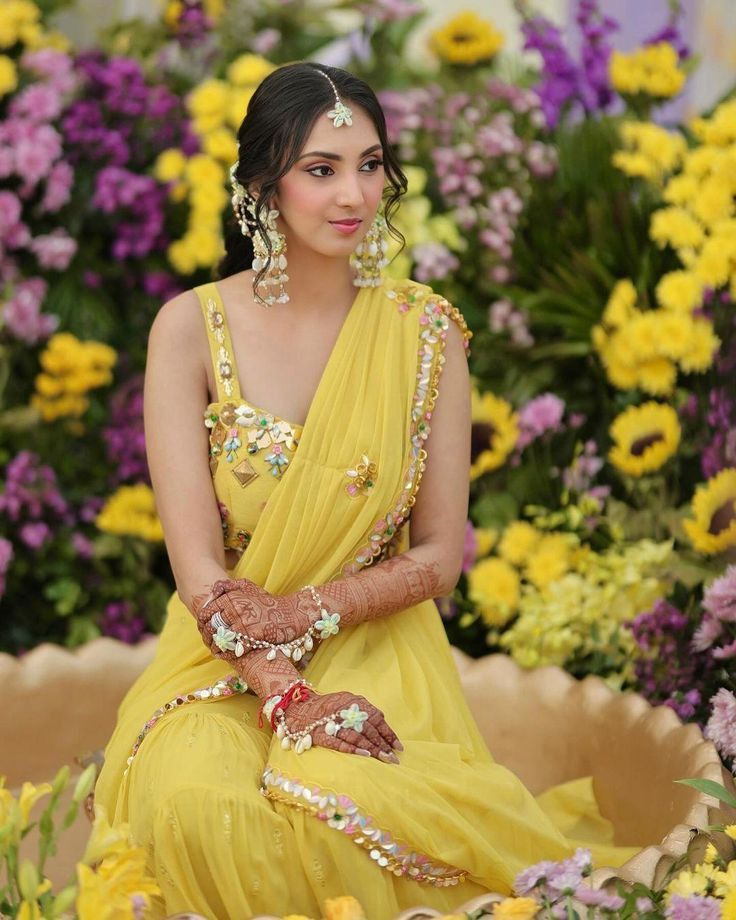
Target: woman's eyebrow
(336,156)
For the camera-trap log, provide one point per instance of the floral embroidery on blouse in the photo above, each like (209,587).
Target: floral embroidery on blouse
(233,426)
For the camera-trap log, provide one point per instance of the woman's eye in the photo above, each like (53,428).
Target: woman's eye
(375,163)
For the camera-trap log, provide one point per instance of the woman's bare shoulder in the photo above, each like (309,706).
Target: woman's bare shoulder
(179,319)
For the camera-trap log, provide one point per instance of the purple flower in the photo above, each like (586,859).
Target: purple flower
(596,897)
(433,261)
(693,908)
(38,102)
(58,188)
(126,446)
(555,878)
(6,557)
(721,726)
(82,546)
(470,547)
(265,41)
(543,413)
(121,622)
(34,535)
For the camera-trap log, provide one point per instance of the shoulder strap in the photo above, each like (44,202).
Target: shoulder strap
(221,348)
(414,294)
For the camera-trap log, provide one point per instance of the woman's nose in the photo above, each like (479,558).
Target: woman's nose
(350,193)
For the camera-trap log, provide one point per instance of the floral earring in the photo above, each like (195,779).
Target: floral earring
(244,206)
(369,257)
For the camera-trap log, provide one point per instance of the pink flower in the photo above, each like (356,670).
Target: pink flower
(22,313)
(6,554)
(721,727)
(544,413)
(82,546)
(58,187)
(54,250)
(725,651)
(720,598)
(706,634)
(53,64)
(39,102)
(35,534)
(10,211)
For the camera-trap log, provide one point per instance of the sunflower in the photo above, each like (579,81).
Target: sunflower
(714,507)
(466,39)
(644,437)
(494,433)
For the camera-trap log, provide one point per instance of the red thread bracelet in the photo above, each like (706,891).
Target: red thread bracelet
(297,692)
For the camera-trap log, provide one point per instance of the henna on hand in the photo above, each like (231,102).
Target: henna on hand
(254,612)
(377,738)
(382,589)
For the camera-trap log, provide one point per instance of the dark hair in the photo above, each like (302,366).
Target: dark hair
(279,119)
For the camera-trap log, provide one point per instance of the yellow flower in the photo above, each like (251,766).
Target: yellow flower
(203,170)
(466,39)
(485,540)
(494,435)
(688,883)
(106,892)
(644,437)
(675,334)
(182,257)
(675,227)
(105,839)
(516,909)
(131,511)
(170,164)
(713,201)
(680,189)
(209,100)
(72,368)
(714,508)
(621,303)
(704,344)
(29,795)
(493,585)
(550,559)
(238,105)
(8,75)
(730,831)
(344,908)
(172,13)
(713,263)
(650,152)
(720,128)
(651,69)
(221,145)
(249,70)
(6,802)
(519,540)
(657,377)
(680,291)
(728,908)
(642,336)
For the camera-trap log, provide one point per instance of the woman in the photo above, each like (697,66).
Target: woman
(302,732)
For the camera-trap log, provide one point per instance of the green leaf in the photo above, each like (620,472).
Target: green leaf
(495,510)
(710,787)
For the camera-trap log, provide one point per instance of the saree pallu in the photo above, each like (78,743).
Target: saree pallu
(233,824)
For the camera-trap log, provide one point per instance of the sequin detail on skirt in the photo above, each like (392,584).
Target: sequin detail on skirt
(341,813)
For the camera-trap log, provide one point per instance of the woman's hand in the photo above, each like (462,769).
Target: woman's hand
(251,610)
(375,738)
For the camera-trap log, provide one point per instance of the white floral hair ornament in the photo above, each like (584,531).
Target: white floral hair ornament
(341,114)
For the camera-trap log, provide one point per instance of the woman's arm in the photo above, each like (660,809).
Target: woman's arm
(433,564)
(174,397)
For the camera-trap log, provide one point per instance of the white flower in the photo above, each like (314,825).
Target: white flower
(225,639)
(328,625)
(353,717)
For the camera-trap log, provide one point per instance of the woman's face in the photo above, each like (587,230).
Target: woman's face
(338,175)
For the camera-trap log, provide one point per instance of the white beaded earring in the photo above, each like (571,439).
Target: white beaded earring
(274,261)
(369,257)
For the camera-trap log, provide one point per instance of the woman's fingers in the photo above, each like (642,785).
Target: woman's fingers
(378,721)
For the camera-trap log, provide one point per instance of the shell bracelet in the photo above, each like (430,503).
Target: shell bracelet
(230,640)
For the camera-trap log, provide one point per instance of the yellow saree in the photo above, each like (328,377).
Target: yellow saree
(233,824)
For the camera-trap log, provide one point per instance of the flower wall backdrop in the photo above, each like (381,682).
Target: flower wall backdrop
(590,244)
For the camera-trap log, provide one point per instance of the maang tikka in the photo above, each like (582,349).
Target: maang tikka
(369,256)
